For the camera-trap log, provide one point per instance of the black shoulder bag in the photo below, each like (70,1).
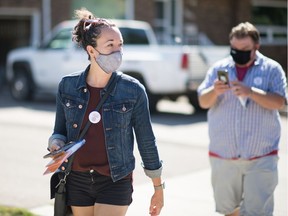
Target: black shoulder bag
(58,179)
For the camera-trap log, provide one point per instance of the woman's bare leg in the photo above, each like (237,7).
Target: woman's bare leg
(83,210)
(109,210)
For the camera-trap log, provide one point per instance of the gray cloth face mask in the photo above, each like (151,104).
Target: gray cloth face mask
(109,62)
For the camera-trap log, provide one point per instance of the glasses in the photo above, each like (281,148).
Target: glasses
(98,22)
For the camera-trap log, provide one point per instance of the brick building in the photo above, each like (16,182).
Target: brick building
(26,22)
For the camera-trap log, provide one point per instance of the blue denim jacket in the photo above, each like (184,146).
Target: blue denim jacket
(125,109)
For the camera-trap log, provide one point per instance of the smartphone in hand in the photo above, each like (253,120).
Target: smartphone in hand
(223,76)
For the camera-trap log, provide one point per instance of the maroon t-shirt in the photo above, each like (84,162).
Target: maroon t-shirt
(93,154)
(242,71)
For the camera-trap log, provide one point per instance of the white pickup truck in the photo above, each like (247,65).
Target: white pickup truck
(166,71)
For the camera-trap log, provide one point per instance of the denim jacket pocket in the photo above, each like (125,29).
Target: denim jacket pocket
(122,113)
(72,106)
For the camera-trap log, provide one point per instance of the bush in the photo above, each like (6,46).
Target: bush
(12,211)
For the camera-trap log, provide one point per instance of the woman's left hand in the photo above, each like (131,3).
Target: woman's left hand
(157,203)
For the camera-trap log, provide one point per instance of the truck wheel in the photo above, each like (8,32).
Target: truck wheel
(153,99)
(21,87)
(193,99)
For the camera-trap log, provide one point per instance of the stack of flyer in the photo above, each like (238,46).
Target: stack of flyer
(61,155)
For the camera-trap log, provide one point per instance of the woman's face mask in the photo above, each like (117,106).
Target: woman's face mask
(109,62)
(240,57)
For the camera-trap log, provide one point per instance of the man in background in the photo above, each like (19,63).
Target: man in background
(244,125)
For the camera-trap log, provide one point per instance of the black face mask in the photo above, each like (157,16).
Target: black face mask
(239,56)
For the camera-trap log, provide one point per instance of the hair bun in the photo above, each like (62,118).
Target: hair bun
(83,14)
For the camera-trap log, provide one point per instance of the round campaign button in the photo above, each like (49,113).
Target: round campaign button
(94,117)
(258,81)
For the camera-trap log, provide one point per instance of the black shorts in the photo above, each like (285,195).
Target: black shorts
(85,189)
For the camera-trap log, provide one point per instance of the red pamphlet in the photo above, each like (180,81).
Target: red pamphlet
(61,155)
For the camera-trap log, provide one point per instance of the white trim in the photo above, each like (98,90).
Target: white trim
(178,29)
(269,33)
(35,30)
(129,9)
(46,8)
(35,20)
(170,30)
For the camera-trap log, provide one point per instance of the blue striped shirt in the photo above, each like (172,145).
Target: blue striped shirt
(245,132)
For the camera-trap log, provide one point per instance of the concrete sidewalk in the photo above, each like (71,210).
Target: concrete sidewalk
(191,194)
(187,195)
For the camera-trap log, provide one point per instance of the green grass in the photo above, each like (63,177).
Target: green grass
(13,211)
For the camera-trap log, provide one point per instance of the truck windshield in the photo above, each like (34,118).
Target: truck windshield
(62,40)
(134,36)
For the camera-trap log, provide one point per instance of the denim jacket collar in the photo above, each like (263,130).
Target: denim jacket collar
(81,83)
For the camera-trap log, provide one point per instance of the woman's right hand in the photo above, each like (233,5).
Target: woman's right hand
(55,144)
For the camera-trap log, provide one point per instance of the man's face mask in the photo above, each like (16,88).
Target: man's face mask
(240,57)
(109,62)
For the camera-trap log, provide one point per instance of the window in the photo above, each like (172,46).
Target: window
(168,21)
(270,18)
(137,36)
(60,41)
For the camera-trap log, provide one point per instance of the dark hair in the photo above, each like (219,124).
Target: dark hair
(243,30)
(88,28)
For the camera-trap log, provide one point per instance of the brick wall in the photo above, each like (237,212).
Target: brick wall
(144,10)
(60,10)
(21,3)
(278,53)
(216,18)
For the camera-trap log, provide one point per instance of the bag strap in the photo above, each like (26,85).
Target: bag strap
(109,89)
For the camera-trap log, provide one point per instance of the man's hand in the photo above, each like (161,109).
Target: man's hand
(220,87)
(209,95)
(239,89)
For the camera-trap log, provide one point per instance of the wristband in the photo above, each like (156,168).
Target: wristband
(250,93)
(160,187)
